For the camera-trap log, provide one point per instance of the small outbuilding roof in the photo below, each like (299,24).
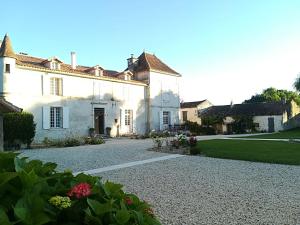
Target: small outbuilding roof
(248,109)
(6,107)
(191,104)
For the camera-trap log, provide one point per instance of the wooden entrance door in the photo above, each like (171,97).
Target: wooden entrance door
(271,124)
(99,120)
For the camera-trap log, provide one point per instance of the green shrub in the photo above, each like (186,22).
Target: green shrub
(33,193)
(194,150)
(19,128)
(93,140)
(71,141)
(196,129)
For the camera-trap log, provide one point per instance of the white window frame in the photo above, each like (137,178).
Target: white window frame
(166,118)
(128,117)
(56,117)
(56,86)
(55,65)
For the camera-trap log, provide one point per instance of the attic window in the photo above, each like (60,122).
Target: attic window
(127,77)
(55,66)
(7,68)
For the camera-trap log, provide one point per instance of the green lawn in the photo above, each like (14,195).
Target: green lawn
(257,151)
(288,134)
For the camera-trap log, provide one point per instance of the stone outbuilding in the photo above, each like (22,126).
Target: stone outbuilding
(267,117)
(5,107)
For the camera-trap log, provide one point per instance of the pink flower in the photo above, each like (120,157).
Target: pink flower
(80,190)
(128,201)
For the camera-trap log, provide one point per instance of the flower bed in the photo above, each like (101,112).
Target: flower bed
(180,144)
(33,193)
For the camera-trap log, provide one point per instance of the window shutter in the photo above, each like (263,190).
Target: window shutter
(161,120)
(133,116)
(121,119)
(46,85)
(65,117)
(46,117)
(172,120)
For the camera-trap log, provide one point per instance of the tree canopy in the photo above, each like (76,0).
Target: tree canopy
(297,83)
(274,95)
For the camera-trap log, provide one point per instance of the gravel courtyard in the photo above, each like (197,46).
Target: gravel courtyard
(191,189)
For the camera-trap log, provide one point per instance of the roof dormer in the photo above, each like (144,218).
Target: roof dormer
(95,70)
(53,63)
(125,75)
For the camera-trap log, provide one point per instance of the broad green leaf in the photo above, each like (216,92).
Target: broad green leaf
(98,208)
(40,218)
(4,218)
(23,214)
(122,216)
(19,164)
(7,176)
(139,216)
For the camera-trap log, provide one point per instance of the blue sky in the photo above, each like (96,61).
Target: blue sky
(225,49)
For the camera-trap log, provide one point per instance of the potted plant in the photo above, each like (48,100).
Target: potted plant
(108,130)
(92,132)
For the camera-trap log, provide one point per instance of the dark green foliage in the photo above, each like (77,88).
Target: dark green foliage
(27,186)
(297,83)
(194,150)
(243,124)
(71,141)
(94,140)
(274,95)
(18,128)
(211,120)
(196,129)
(252,150)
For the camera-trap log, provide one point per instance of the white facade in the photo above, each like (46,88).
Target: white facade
(263,122)
(30,90)
(70,104)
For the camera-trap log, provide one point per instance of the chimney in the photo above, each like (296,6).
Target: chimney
(73,60)
(131,62)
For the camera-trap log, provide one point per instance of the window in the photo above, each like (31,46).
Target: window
(166,118)
(128,116)
(55,66)
(7,68)
(184,116)
(56,117)
(56,86)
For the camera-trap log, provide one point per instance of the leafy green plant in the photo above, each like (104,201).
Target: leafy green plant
(33,193)
(94,140)
(19,128)
(158,142)
(194,150)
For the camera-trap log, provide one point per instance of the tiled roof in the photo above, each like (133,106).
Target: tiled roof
(6,106)
(190,104)
(35,62)
(6,49)
(149,62)
(248,109)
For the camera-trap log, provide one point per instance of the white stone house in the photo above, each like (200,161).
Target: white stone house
(268,117)
(68,99)
(189,111)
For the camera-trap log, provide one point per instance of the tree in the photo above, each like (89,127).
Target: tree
(297,83)
(274,95)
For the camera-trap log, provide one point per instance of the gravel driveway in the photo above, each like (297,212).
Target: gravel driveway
(191,189)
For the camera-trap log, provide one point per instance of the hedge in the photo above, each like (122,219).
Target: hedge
(19,128)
